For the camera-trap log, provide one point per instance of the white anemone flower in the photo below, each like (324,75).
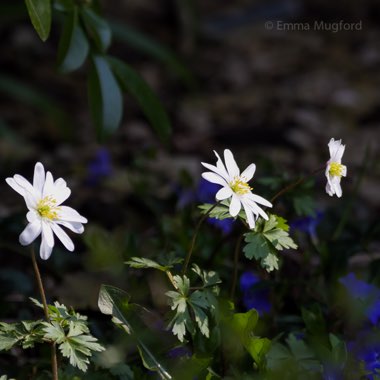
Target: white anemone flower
(235,186)
(46,214)
(334,168)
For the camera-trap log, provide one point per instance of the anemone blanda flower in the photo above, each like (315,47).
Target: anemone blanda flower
(235,186)
(46,215)
(334,168)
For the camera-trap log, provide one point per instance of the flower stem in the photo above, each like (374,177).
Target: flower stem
(236,262)
(188,256)
(54,364)
(296,183)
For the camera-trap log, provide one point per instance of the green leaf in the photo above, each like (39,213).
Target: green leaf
(78,349)
(278,236)
(115,302)
(221,211)
(338,350)
(199,304)
(105,97)
(269,237)
(141,262)
(54,332)
(40,15)
(209,278)
(73,45)
(243,325)
(97,27)
(133,83)
(258,247)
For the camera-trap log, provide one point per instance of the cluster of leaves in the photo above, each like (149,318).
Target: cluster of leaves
(264,242)
(193,307)
(269,237)
(87,35)
(66,328)
(313,353)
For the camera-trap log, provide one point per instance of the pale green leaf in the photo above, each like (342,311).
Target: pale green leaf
(105,97)
(40,15)
(142,262)
(97,28)
(73,45)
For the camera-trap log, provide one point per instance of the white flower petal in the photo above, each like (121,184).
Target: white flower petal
(257,210)
(216,170)
(15,186)
(39,178)
(329,189)
(47,233)
(61,194)
(224,193)
(32,215)
(248,173)
(60,182)
(72,226)
(49,185)
(214,178)
(344,170)
(220,165)
(45,249)
(250,215)
(30,200)
(30,233)
(235,205)
(68,214)
(256,198)
(336,186)
(232,168)
(63,237)
(23,182)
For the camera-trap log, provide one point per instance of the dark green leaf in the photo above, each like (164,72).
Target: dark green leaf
(132,82)
(243,325)
(40,15)
(115,302)
(106,101)
(98,28)
(73,45)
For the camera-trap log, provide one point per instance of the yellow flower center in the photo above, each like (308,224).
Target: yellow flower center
(240,187)
(47,208)
(336,169)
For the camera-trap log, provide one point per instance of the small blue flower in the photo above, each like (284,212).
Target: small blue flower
(308,224)
(254,297)
(368,294)
(206,191)
(100,167)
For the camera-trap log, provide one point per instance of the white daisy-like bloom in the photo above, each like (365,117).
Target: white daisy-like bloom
(235,186)
(334,168)
(46,214)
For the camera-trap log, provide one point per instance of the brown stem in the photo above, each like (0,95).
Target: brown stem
(54,364)
(296,183)
(236,262)
(188,256)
